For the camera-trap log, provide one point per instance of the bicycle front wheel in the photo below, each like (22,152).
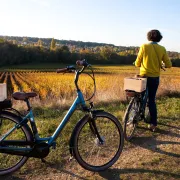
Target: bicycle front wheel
(9,162)
(92,153)
(130,119)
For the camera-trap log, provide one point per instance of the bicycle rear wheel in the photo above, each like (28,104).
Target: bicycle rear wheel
(92,154)
(130,119)
(9,162)
(147,117)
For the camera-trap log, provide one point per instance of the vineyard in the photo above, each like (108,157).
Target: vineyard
(148,156)
(109,82)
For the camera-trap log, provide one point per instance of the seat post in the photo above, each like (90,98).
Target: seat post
(28,104)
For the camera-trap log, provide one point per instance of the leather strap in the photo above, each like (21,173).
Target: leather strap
(158,58)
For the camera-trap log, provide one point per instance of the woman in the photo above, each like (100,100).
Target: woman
(149,59)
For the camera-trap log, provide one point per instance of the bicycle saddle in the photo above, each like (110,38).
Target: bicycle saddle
(23,95)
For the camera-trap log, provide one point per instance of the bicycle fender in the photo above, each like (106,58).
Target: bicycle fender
(94,112)
(71,144)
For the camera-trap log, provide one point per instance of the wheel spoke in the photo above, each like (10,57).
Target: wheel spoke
(130,119)
(91,153)
(10,162)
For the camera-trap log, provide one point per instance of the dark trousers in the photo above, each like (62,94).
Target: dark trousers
(152,85)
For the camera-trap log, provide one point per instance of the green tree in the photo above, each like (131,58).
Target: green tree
(53,44)
(25,39)
(1,40)
(64,48)
(106,52)
(14,42)
(40,43)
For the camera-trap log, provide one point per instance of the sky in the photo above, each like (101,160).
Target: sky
(118,22)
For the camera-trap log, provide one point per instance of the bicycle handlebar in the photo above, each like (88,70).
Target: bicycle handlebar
(67,69)
(61,70)
(82,63)
(77,71)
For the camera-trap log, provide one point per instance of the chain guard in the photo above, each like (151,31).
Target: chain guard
(40,150)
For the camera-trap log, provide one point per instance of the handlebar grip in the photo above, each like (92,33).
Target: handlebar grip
(79,63)
(82,63)
(61,70)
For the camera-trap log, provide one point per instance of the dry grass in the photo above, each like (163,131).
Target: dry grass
(148,156)
(58,90)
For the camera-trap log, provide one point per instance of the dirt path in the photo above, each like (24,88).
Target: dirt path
(148,156)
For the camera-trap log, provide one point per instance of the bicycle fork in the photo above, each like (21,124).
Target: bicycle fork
(92,124)
(91,119)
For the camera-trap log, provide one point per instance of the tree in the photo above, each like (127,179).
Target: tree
(40,43)
(106,52)
(1,40)
(25,39)
(64,48)
(14,42)
(53,44)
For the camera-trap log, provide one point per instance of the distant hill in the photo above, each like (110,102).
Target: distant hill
(20,50)
(47,42)
(78,44)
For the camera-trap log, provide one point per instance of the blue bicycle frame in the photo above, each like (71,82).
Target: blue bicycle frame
(78,101)
(29,116)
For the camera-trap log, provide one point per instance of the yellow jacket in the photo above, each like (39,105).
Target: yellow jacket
(150,59)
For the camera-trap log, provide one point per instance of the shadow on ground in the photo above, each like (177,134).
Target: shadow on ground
(145,141)
(151,142)
(115,174)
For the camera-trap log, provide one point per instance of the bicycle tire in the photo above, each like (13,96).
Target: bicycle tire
(129,119)
(147,117)
(92,158)
(8,162)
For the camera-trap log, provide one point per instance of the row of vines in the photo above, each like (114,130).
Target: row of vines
(109,81)
(46,84)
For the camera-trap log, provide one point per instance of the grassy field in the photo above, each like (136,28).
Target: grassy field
(148,156)
(109,82)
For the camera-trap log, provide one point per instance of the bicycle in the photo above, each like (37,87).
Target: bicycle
(136,111)
(96,141)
